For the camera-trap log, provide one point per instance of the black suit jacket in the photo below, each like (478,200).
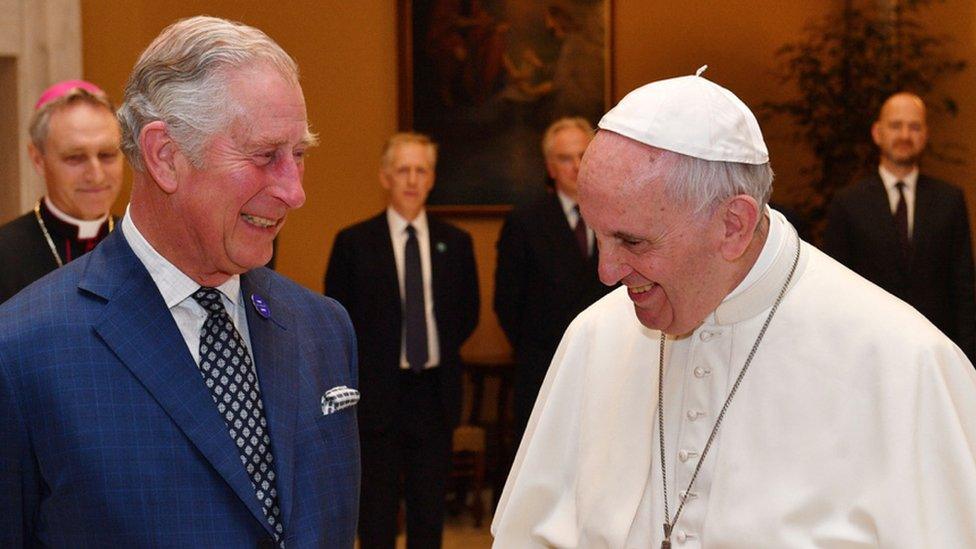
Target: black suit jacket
(362,276)
(541,283)
(938,278)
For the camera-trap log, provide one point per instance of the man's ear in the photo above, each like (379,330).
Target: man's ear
(876,132)
(740,216)
(159,155)
(37,159)
(384,179)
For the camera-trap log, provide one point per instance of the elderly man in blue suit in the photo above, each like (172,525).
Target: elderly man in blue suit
(165,390)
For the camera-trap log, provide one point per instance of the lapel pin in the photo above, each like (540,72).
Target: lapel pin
(260,305)
(441,247)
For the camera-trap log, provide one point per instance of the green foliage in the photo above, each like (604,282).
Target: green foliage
(844,67)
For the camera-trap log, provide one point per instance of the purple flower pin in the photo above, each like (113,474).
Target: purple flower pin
(260,305)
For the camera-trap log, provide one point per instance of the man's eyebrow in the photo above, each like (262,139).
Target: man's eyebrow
(621,235)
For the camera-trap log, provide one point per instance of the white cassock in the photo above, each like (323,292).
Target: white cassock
(855,425)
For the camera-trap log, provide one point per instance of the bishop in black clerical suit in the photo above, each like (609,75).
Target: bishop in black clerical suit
(75,147)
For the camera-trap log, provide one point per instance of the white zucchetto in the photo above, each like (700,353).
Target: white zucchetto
(690,115)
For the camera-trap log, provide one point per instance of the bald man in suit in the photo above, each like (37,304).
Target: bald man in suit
(908,232)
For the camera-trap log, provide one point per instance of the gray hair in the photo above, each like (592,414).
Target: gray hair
(181,79)
(703,184)
(563,123)
(40,121)
(403,138)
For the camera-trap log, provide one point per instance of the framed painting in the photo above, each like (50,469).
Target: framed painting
(484,78)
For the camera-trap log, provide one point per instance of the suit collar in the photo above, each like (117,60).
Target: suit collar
(556,224)
(876,209)
(890,180)
(398,223)
(385,261)
(138,327)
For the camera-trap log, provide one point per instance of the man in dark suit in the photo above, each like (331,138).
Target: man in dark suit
(410,285)
(74,146)
(547,266)
(906,232)
(165,389)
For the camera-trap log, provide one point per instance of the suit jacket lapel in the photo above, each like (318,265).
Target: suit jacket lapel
(138,327)
(925,205)
(276,359)
(439,250)
(388,280)
(561,233)
(878,211)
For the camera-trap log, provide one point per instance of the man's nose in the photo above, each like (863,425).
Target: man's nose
(611,269)
(94,172)
(288,187)
(413,178)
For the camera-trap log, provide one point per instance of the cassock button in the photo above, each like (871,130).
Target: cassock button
(681,536)
(694,414)
(701,372)
(705,335)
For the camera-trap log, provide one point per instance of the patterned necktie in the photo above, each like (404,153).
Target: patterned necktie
(229,373)
(901,222)
(582,240)
(414,308)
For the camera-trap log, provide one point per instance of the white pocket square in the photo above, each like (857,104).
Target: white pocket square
(337,398)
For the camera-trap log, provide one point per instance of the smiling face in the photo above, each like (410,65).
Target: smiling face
(669,258)
(900,132)
(235,204)
(409,177)
(80,161)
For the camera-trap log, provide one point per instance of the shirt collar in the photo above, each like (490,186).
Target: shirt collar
(567,203)
(174,285)
(890,180)
(398,225)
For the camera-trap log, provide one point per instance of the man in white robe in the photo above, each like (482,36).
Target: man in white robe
(854,424)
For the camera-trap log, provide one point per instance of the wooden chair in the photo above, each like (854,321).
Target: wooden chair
(480,444)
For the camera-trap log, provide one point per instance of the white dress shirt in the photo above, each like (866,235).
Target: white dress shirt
(398,234)
(572,217)
(911,183)
(177,290)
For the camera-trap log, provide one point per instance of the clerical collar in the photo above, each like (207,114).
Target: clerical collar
(758,290)
(84,228)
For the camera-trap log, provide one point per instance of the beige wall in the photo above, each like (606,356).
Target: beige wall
(347,53)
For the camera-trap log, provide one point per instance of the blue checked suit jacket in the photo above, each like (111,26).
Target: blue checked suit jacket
(109,437)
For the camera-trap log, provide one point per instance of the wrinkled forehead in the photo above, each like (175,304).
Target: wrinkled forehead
(616,164)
